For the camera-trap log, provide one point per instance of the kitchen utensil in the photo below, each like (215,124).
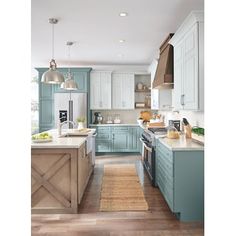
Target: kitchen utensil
(187,128)
(98,118)
(175,123)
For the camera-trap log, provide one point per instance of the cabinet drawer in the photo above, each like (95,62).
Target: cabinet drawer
(120,129)
(103,129)
(103,133)
(103,136)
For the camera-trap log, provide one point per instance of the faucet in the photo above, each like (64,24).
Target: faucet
(65,122)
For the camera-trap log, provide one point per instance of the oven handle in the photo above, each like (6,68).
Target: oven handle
(145,145)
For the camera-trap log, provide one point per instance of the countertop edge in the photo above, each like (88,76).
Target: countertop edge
(200,148)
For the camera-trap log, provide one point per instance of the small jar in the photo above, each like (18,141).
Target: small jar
(172,132)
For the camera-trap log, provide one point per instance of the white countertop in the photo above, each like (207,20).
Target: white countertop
(181,144)
(60,142)
(121,124)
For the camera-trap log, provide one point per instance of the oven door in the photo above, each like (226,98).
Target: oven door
(147,158)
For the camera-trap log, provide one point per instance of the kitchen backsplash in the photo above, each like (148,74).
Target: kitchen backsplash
(126,116)
(131,116)
(194,118)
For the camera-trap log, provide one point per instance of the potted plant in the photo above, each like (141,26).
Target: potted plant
(80,121)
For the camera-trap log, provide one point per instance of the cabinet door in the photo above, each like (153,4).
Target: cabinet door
(123,91)
(117,90)
(128,91)
(105,90)
(190,78)
(100,90)
(120,142)
(177,95)
(133,139)
(161,99)
(95,90)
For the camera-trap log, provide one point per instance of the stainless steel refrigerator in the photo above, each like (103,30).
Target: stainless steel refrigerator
(69,106)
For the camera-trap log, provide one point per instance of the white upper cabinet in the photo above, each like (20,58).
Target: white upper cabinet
(123,90)
(188,93)
(161,99)
(100,90)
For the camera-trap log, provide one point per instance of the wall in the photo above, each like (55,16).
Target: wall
(194,118)
(126,116)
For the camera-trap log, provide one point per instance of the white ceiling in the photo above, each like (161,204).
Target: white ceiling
(96,27)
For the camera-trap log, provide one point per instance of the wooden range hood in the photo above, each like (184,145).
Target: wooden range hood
(164,78)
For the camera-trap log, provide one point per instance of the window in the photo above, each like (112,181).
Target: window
(34,103)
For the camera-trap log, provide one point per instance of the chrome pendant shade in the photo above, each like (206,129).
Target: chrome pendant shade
(70,83)
(52,76)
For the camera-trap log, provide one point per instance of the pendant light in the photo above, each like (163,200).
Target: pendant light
(52,76)
(70,83)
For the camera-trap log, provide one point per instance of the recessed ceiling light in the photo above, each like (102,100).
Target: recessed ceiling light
(123,14)
(121,40)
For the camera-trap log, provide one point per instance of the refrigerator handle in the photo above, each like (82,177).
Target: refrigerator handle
(70,113)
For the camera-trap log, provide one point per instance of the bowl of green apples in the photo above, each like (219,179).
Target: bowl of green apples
(42,137)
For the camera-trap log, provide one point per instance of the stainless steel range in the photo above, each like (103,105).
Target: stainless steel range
(148,155)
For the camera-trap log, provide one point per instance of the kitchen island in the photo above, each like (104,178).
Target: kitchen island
(60,171)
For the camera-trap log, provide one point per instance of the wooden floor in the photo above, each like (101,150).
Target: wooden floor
(158,221)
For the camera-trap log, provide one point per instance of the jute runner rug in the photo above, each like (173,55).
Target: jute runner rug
(121,189)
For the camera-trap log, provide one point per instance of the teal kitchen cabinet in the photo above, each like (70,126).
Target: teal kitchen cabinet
(133,139)
(180,178)
(140,145)
(103,139)
(120,139)
(117,138)
(79,75)
(46,95)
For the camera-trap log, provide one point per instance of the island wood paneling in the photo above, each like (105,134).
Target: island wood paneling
(54,180)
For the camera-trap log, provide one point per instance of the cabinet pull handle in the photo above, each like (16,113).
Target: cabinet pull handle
(183,99)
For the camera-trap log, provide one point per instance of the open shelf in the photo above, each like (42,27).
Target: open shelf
(142,107)
(143,91)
